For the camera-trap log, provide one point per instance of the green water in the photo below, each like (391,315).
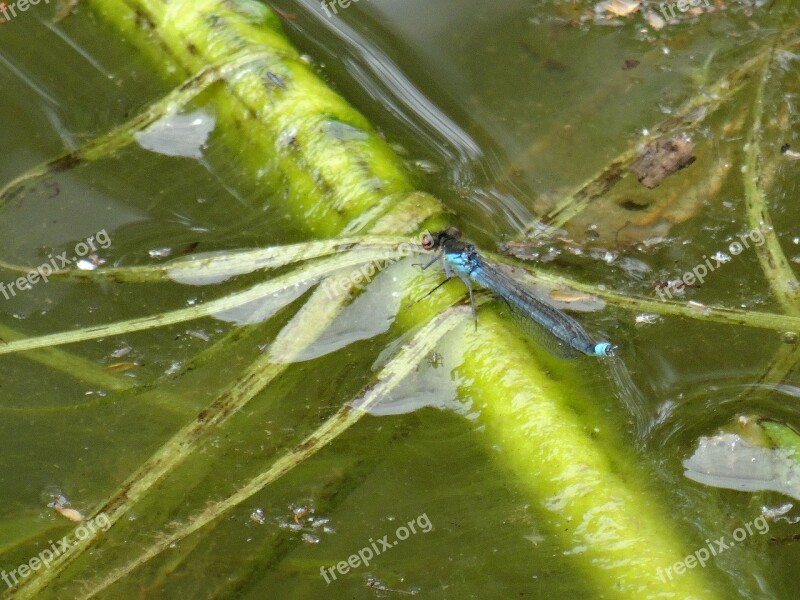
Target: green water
(499,109)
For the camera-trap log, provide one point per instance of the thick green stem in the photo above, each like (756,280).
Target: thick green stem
(332,181)
(327,158)
(612,532)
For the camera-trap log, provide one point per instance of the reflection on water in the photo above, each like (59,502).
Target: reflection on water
(502,109)
(537,100)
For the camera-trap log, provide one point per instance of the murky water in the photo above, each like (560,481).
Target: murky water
(499,109)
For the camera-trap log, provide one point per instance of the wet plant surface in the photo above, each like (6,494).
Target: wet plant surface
(223,369)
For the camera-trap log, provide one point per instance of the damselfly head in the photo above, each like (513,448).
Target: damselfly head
(430,241)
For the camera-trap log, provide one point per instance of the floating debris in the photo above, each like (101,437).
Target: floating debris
(759,455)
(300,511)
(178,134)
(673,286)
(721,257)
(66,8)
(61,505)
(291,525)
(122,367)
(90,263)
(778,513)
(307,523)
(662,158)
(200,334)
(121,351)
(647,319)
(159,252)
(696,305)
(257,516)
(655,20)
(173,368)
(69,513)
(788,153)
(569,296)
(319,521)
(58,500)
(630,63)
(376,584)
(617,8)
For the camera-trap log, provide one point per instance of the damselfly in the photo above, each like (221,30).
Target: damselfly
(468,264)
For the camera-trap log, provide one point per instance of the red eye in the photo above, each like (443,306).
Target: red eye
(427,241)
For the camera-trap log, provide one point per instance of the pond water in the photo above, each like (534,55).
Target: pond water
(499,109)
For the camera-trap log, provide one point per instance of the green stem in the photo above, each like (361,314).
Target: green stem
(774,263)
(690,115)
(305,275)
(335,184)
(105,146)
(613,532)
(330,178)
(401,366)
(716,314)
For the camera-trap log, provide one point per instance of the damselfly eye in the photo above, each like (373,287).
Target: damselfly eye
(427,241)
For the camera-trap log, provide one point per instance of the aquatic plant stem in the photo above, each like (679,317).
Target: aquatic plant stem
(403,364)
(717,314)
(774,263)
(689,115)
(301,278)
(294,122)
(601,519)
(330,184)
(776,266)
(106,145)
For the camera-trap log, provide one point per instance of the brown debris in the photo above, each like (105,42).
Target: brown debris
(662,158)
